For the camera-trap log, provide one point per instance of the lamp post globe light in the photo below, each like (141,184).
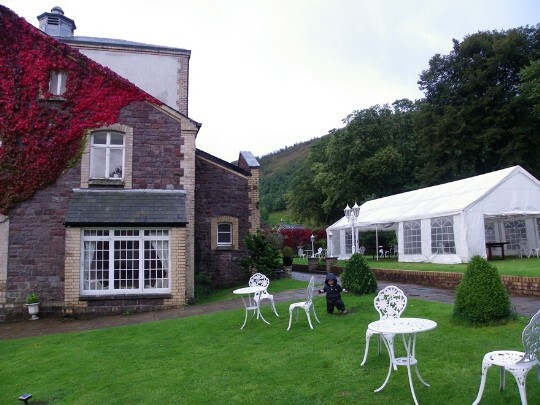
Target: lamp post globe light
(312,237)
(352,215)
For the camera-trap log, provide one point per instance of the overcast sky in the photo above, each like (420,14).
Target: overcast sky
(265,74)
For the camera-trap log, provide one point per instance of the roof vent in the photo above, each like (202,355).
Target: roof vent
(56,24)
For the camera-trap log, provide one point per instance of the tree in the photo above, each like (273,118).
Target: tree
(530,86)
(374,155)
(473,119)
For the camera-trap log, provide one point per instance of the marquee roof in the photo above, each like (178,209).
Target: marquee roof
(444,199)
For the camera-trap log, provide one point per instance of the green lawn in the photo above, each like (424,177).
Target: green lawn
(511,266)
(209,360)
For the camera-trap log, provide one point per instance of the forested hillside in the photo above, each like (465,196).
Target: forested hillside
(481,112)
(277,170)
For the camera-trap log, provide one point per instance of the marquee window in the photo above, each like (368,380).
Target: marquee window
(489,231)
(515,233)
(412,238)
(125,261)
(442,236)
(348,241)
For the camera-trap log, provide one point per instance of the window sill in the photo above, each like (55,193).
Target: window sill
(124,297)
(106,182)
(229,247)
(52,98)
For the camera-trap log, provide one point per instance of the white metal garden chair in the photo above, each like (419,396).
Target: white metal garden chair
(517,363)
(390,302)
(301,254)
(305,305)
(260,280)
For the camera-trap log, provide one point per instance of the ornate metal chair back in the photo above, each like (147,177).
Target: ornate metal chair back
(390,302)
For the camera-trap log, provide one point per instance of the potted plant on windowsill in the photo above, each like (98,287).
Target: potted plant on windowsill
(32,303)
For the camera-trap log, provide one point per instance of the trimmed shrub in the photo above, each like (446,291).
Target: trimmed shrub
(481,297)
(357,277)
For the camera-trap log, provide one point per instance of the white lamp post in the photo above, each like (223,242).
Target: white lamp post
(330,234)
(352,215)
(312,237)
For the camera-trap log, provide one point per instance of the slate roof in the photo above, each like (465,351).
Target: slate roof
(127,208)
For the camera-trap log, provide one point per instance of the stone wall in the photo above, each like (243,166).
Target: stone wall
(515,285)
(37,235)
(220,192)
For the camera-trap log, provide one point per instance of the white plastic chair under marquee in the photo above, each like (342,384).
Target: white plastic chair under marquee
(517,363)
(390,302)
(305,305)
(260,280)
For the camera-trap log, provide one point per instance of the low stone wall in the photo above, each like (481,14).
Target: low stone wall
(515,285)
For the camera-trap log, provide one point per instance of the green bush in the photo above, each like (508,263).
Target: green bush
(287,251)
(481,297)
(263,257)
(357,277)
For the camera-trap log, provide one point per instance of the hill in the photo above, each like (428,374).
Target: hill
(277,170)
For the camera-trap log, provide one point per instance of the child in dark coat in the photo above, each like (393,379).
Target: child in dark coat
(333,294)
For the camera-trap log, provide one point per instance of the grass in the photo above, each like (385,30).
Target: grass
(511,266)
(285,284)
(208,359)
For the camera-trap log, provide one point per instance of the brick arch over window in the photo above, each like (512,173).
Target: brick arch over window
(214,231)
(128,163)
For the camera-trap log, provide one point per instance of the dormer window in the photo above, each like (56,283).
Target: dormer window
(107,155)
(57,83)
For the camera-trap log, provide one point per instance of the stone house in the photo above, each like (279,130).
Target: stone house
(106,204)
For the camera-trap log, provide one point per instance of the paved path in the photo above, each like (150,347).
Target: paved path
(526,306)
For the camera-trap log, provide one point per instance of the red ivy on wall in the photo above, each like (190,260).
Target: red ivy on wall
(42,134)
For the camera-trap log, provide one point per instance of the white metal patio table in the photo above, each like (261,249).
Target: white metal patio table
(408,328)
(250,304)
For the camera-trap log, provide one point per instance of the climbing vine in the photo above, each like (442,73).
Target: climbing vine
(41,134)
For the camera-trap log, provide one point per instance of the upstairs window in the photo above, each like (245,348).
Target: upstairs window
(107,155)
(57,83)
(224,234)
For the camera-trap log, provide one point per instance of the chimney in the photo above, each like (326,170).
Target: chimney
(55,24)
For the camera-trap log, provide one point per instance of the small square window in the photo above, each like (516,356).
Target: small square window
(57,83)
(224,234)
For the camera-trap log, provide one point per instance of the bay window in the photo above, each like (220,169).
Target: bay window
(125,261)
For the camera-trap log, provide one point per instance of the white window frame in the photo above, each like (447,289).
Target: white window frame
(224,235)
(348,241)
(58,82)
(412,238)
(108,171)
(125,261)
(515,233)
(442,236)
(489,232)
